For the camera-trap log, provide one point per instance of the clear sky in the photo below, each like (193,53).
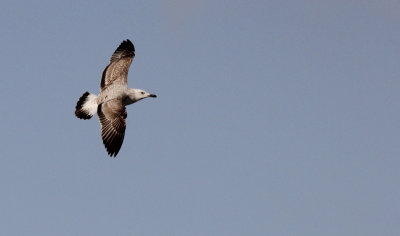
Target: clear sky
(272,118)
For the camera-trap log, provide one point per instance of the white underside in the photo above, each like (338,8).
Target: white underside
(90,106)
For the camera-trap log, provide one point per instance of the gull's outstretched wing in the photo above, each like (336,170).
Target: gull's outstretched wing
(112,115)
(117,70)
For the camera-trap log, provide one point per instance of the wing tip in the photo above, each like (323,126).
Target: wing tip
(112,139)
(114,146)
(126,46)
(112,154)
(124,50)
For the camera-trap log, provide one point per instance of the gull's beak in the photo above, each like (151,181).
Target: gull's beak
(153,95)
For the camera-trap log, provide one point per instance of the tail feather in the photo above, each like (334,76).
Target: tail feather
(86,106)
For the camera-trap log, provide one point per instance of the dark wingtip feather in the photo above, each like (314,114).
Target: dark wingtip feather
(126,46)
(112,144)
(112,154)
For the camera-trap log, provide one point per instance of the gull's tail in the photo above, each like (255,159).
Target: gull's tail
(86,106)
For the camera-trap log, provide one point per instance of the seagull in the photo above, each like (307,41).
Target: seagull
(114,96)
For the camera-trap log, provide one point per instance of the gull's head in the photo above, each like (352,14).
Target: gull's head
(135,95)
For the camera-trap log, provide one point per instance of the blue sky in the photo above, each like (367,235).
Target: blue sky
(272,118)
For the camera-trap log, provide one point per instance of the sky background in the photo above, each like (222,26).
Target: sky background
(272,118)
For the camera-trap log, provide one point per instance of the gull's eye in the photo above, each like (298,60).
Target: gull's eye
(142,93)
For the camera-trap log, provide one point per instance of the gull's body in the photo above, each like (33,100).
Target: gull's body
(114,96)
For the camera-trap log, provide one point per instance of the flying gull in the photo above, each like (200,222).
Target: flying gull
(114,96)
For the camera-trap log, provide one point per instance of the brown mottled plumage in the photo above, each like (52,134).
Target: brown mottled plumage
(114,96)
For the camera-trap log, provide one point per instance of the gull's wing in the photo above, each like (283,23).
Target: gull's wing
(117,70)
(112,115)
